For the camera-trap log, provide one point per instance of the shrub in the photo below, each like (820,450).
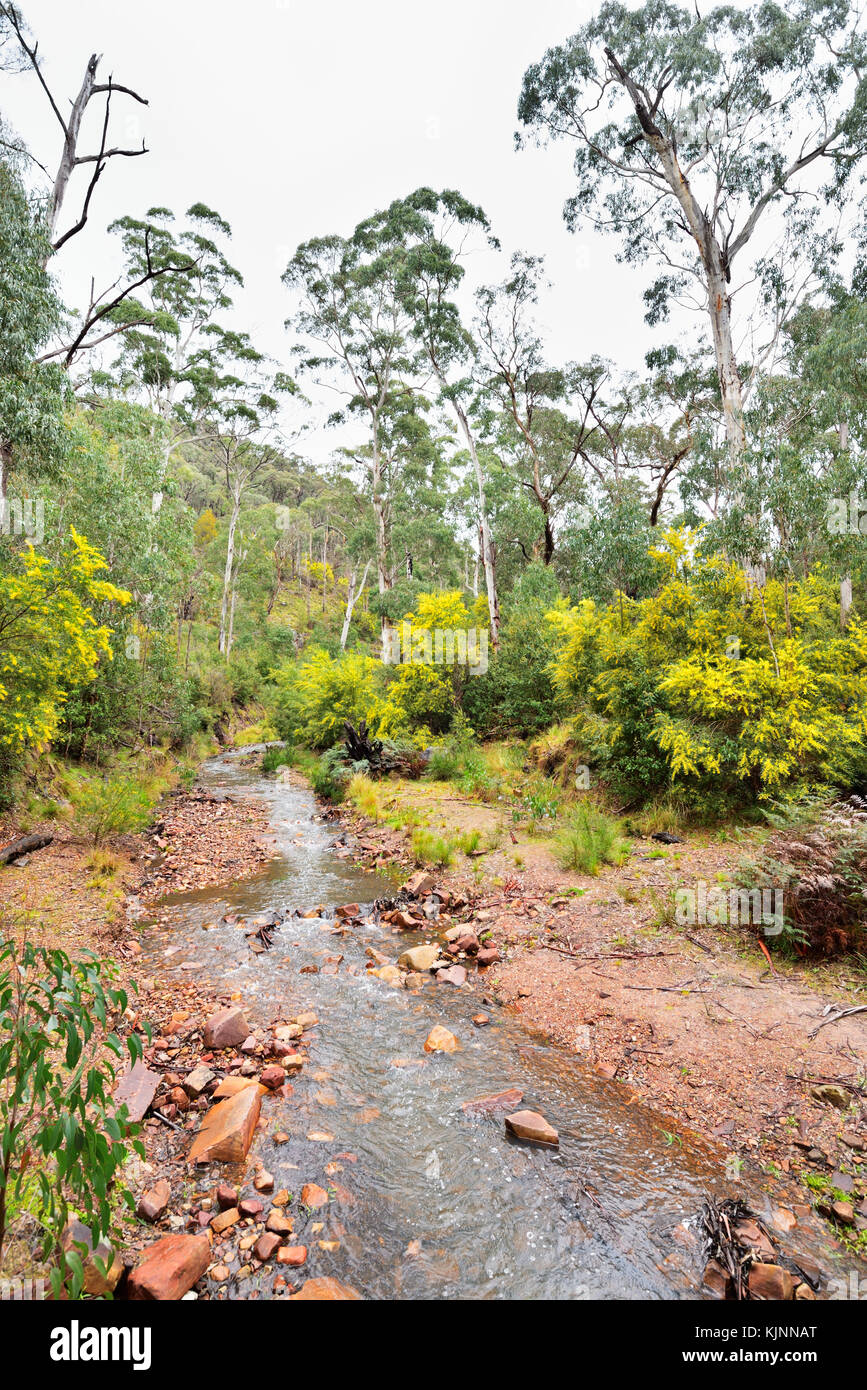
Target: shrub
(820,866)
(60,1130)
(329,777)
(315,697)
(717,686)
(113,805)
(444,765)
(365,796)
(589,840)
(275,758)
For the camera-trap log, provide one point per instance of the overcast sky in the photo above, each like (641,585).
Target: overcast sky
(298,119)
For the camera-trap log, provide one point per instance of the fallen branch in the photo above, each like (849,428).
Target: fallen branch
(835,1018)
(26,845)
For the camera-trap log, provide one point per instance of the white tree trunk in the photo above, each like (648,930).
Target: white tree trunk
(230,564)
(352,598)
(487,545)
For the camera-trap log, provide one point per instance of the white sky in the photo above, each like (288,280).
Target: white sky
(295,119)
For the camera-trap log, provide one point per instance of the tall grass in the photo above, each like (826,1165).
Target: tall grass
(589,840)
(432,850)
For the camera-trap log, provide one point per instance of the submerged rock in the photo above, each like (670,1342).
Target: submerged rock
(529,1125)
(439,1039)
(500,1100)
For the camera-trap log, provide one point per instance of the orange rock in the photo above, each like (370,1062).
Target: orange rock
(321,1290)
(502,1100)
(527,1124)
(441,1040)
(294,1255)
(170,1268)
(227,1218)
(227,1129)
(231,1085)
(313,1196)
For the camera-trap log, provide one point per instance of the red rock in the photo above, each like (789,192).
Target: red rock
(279,1225)
(227,1129)
(272,1077)
(170,1268)
(488,955)
(349,910)
(527,1124)
(250,1207)
(321,1290)
(136,1091)
(468,942)
(266,1245)
(154,1202)
(749,1233)
(717,1280)
(264,1182)
(454,975)
(293,1255)
(484,1105)
(771,1283)
(313,1196)
(228,1028)
(608,1070)
(418,884)
(480,1020)
(226,1196)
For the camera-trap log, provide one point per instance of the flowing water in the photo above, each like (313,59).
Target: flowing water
(493,1218)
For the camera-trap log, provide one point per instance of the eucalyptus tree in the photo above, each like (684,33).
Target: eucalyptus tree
(242,431)
(692,132)
(437,229)
(32,394)
(549,409)
(176,346)
(356,330)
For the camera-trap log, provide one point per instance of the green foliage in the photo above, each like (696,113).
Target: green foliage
(716,686)
(49,637)
(316,696)
(589,840)
(113,804)
(59,1125)
(32,394)
(329,776)
(431,849)
(517,694)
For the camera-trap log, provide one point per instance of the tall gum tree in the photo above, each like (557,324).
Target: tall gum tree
(355,328)
(690,129)
(435,228)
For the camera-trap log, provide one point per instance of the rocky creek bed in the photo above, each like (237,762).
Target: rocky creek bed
(339,1107)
